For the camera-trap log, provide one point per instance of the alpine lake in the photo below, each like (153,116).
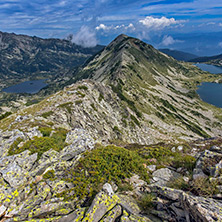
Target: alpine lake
(208,91)
(31,87)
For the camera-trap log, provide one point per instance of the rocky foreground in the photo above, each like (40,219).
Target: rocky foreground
(45,186)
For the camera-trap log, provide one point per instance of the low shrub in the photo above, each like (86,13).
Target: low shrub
(204,187)
(101,165)
(47,114)
(46,131)
(3,116)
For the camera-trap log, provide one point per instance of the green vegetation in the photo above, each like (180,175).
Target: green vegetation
(162,155)
(41,144)
(135,120)
(146,201)
(47,114)
(31,102)
(101,165)
(81,94)
(204,187)
(119,91)
(101,97)
(3,116)
(83,87)
(46,131)
(77,102)
(179,183)
(67,106)
(93,106)
(14,146)
(50,174)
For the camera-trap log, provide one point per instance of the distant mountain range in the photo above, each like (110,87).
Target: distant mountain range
(22,56)
(179,55)
(214,60)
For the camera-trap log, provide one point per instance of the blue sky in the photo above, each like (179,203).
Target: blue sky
(191,25)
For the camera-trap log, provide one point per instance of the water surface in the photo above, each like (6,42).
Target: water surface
(30,87)
(211,93)
(209,68)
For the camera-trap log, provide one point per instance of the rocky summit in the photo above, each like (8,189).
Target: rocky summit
(129,140)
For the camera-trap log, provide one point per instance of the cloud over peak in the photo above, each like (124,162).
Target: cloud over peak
(158,23)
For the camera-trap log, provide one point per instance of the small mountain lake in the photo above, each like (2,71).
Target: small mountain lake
(211,92)
(209,68)
(208,91)
(30,87)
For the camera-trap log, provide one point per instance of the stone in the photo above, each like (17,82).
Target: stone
(14,175)
(151,168)
(163,176)
(113,214)
(180,148)
(101,204)
(202,209)
(2,210)
(108,189)
(77,215)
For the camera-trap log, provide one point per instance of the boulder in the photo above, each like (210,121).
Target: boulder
(163,176)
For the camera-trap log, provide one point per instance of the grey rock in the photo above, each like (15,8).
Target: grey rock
(163,176)
(112,215)
(2,210)
(108,189)
(14,175)
(151,168)
(77,215)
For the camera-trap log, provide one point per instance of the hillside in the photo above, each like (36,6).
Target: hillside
(213,60)
(179,55)
(26,57)
(130,141)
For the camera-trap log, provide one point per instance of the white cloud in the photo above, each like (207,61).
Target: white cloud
(85,37)
(102,27)
(158,23)
(220,24)
(117,27)
(169,40)
(220,44)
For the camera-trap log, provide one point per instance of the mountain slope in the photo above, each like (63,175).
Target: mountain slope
(156,88)
(179,55)
(134,93)
(23,56)
(214,60)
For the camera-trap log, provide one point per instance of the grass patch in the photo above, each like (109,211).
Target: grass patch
(47,114)
(82,87)
(41,144)
(46,131)
(3,116)
(67,106)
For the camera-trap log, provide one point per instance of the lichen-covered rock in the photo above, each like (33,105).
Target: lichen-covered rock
(112,214)
(202,209)
(102,204)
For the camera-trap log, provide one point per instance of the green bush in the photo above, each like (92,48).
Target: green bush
(41,144)
(204,187)
(3,116)
(185,161)
(179,183)
(83,87)
(146,201)
(46,131)
(67,106)
(50,174)
(101,165)
(14,146)
(47,114)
